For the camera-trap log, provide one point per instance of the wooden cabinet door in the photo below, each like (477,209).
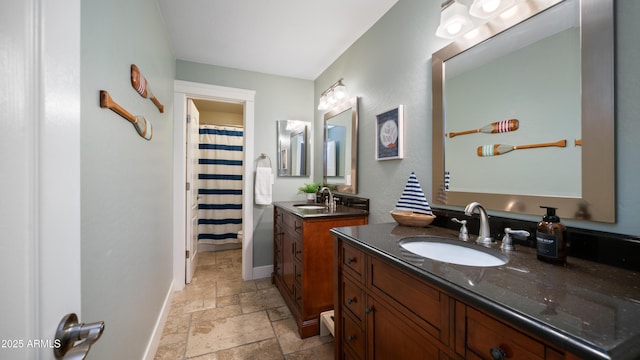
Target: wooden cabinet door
(278,234)
(390,335)
(288,259)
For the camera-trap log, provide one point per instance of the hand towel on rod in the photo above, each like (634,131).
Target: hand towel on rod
(263,186)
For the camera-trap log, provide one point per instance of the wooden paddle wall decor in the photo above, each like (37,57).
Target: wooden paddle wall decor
(140,83)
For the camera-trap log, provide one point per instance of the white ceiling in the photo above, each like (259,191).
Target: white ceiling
(296,38)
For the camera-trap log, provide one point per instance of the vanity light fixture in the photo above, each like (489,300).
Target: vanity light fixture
(335,94)
(486,9)
(454,20)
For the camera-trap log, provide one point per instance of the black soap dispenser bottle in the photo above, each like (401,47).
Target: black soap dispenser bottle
(551,238)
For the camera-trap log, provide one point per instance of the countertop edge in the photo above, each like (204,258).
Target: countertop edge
(550,334)
(341,211)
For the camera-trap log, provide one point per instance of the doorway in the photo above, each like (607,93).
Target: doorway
(184,90)
(219,168)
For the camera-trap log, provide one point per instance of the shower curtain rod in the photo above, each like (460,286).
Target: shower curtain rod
(227,125)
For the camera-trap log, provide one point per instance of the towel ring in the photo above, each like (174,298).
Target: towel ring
(263,156)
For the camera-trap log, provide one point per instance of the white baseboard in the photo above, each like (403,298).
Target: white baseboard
(154,341)
(262,272)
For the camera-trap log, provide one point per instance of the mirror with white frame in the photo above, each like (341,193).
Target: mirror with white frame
(340,160)
(545,81)
(293,147)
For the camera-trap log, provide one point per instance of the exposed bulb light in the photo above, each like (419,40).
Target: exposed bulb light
(340,91)
(490,6)
(486,9)
(335,94)
(459,21)
(331,98)
(323,104)
(454,20)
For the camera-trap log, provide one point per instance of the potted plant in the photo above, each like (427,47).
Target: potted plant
(310,190)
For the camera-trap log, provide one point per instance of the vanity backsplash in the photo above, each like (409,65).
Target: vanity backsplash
(602,247)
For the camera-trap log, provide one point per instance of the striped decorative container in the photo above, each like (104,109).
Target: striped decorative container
(412,209)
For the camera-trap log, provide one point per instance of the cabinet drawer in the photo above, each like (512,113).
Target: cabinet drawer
(484,333)
(412,296)
(353,300)
(353,336)
(292,222)
(353,262)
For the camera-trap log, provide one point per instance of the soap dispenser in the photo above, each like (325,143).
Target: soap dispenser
(551,238)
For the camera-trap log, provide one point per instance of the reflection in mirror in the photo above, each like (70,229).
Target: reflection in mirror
(543,88)
(292,147)
(485,88)
(341,146)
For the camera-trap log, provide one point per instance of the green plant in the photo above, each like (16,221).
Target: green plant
(308,188)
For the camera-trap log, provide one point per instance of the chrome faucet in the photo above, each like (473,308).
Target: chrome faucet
(330,204)
(484,236)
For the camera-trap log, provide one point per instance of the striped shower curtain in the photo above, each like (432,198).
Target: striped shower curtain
(220,184)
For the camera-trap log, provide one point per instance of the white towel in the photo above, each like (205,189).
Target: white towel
(263,186)
(331,158)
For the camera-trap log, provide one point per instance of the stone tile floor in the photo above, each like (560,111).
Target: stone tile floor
(219,316)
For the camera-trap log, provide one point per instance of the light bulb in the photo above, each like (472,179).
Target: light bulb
(490,6)
(454,28)
(322,103)
(487,9)
(331,98)
(340,92)
(454,21)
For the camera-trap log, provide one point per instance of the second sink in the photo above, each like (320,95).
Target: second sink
(453,251)
(309,207)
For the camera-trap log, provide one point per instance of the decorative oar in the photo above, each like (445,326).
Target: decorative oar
(493,128)
(140,83)
(139,122)
(499,149)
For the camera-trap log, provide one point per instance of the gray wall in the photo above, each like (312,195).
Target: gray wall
(391,65)
(277,98)
(125,180)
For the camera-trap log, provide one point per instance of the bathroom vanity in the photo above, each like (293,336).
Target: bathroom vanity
(392,303)
(303,257)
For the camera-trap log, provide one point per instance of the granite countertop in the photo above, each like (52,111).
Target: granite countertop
(340,210)
(589,309)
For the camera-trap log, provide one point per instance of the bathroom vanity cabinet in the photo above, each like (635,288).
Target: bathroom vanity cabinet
(303,259)
(383,312)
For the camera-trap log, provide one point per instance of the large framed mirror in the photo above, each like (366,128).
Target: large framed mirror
(340,160)
(523,116)
(293,147)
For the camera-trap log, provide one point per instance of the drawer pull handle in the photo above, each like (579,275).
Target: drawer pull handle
(368,309)
(297,227)
(497,354)
(351,337)
(351,300)
(351,260)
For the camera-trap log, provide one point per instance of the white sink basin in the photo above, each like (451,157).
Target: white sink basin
(309,207)
(453,251)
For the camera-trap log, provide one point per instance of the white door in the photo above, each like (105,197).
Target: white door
(193,124)
(40,181)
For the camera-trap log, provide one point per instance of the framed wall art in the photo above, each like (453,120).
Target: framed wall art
(389,134)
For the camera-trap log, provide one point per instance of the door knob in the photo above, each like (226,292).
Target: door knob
(76,339)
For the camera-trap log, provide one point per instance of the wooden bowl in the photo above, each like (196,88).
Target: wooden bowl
(411,219)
